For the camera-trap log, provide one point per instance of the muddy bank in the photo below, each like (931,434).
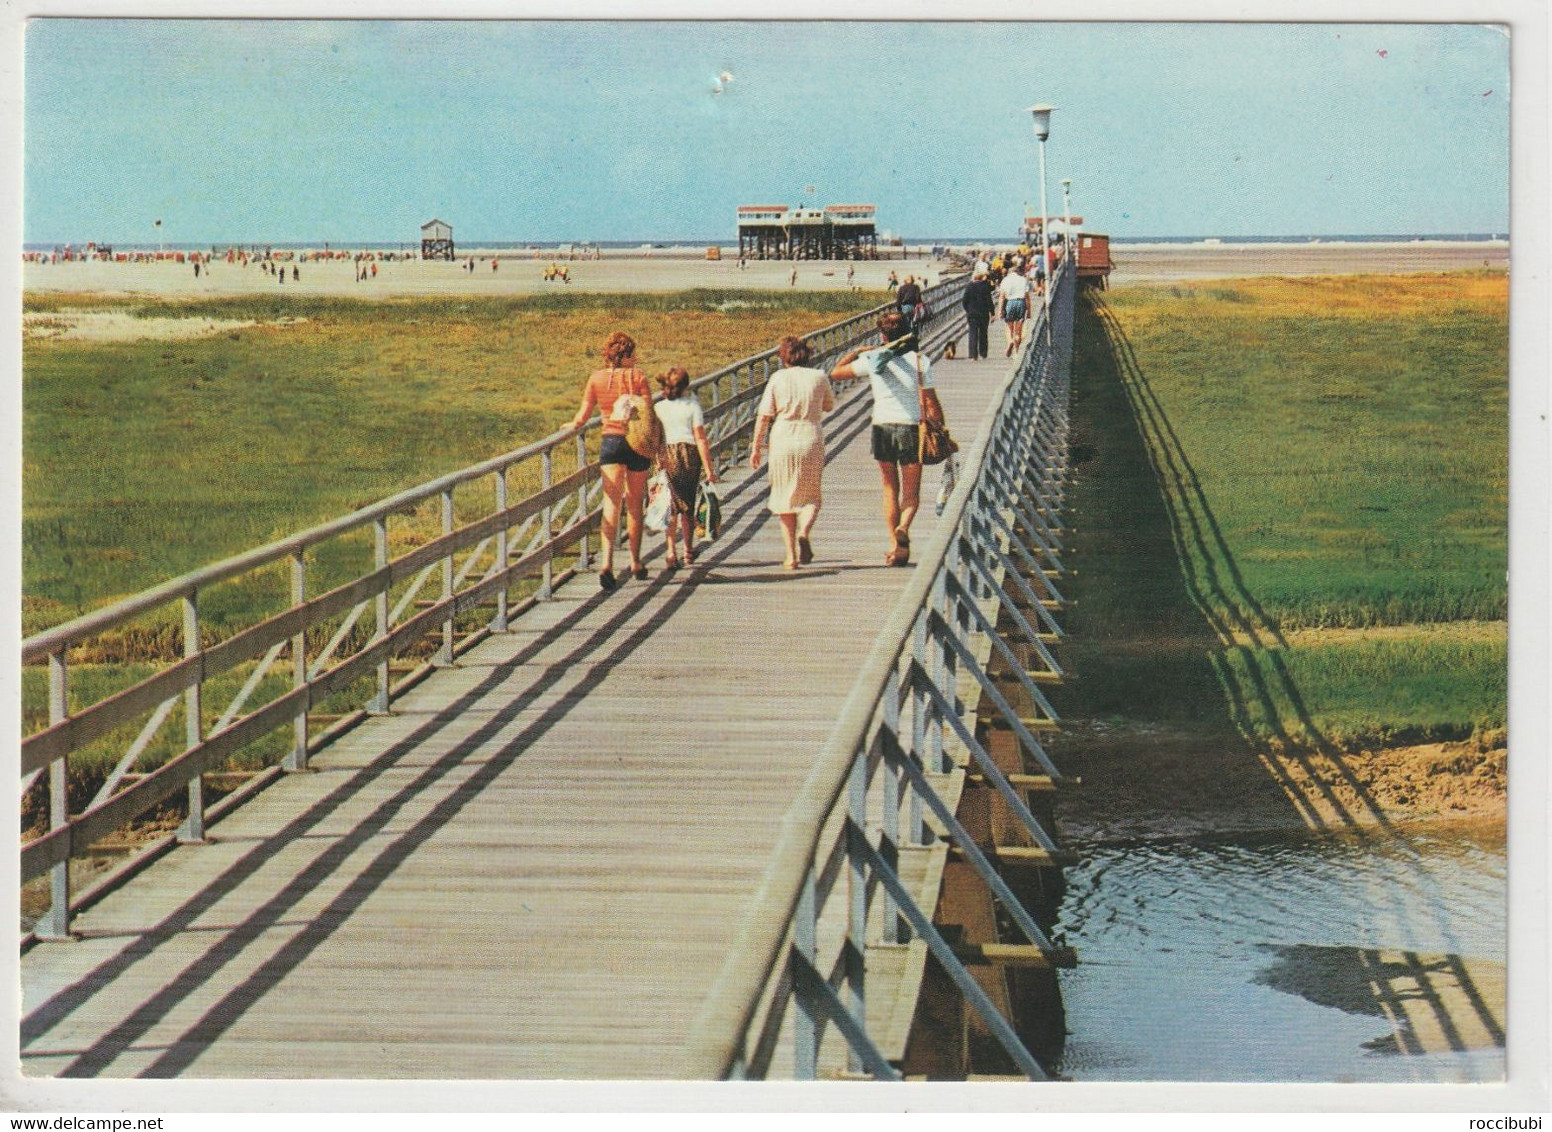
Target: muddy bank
(1148,781)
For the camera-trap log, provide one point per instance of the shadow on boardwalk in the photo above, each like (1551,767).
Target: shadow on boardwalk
(349,867)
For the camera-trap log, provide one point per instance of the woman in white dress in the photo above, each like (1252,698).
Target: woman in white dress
(795,402)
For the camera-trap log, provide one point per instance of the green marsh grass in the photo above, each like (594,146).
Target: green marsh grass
(146,459)
(1272,471)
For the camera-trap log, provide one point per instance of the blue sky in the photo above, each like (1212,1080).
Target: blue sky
(361,131)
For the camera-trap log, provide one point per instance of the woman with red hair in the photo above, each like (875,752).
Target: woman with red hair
(624,470)
(795,401)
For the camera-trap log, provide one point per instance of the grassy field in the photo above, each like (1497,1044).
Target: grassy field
(146,459)
(150,457)
(1291,497)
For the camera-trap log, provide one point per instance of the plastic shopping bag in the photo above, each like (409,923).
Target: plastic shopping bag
(659,503)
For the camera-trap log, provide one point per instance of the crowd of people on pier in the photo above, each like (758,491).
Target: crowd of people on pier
(1006,285)
(788,438)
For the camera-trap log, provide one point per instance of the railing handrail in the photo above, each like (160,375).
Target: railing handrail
(358,602)
(43,644)
(734,996)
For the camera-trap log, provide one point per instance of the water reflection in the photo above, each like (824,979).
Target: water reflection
(1296,957)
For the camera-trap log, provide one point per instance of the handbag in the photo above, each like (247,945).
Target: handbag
(643,431)
(934,444)
(708,511)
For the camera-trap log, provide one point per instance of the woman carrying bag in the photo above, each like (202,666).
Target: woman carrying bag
(621,394)
(684,457)
(901,383)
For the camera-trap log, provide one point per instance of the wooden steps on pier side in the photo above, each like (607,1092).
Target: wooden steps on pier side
(1023,955)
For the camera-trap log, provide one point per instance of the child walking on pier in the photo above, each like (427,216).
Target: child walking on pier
(684,457)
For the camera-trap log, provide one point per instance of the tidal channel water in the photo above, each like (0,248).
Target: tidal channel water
(1365,956)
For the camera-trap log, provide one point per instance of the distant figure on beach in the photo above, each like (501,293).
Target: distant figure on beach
(793,282)
(624,470)
(686,455)
(296,273)
(901,383)
(196,269)
(977,301)
(794,404)
(851,273)
(374,269)
(1013,298)
(493,265)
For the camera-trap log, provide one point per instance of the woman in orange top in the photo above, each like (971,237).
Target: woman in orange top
(624,471)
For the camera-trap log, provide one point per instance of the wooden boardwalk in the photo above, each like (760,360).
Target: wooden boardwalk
(535,866)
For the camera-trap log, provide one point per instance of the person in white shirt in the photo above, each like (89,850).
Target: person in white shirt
(684,456)
(1013,299)
(901,381)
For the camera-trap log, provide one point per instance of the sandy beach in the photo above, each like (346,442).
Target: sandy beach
(519,273)
(1163,263)
(516,273)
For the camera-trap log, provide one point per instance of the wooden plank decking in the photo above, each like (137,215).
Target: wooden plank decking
(534,867)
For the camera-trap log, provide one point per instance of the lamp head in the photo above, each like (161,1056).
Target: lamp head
(1042,115)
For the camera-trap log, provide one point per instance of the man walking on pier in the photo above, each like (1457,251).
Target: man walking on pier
(977,302)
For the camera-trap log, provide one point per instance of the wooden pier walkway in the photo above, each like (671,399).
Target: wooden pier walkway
(535,866)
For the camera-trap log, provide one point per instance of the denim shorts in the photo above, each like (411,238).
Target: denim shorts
(1014,310)
(897,443)
(614,450)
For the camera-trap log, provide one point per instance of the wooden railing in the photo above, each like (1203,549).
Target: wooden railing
(833,900)
(327,658)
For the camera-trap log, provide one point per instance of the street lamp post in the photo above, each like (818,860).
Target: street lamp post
(1042,116)
(1069,247)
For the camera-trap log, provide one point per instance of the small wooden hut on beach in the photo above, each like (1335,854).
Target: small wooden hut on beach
(436,240)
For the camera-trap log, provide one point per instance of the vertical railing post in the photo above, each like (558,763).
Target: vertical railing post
(296,758)
(546,480)
(806,1024)
(921,644)
(193,828)
(445,656)
(379,704)
(935,667)
(889,818)
(857,898)
(56,921)
(582,558)
(502,551)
